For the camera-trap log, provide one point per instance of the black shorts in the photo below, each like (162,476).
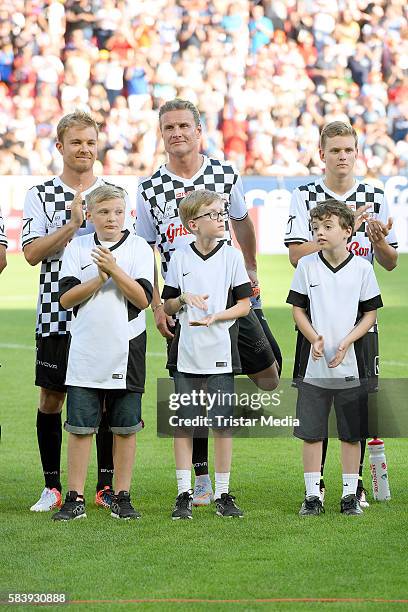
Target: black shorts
(313,409)
(51,362)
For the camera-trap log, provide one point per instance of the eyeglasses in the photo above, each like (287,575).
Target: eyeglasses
(214,215)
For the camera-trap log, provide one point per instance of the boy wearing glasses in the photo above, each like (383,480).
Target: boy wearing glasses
(209,289)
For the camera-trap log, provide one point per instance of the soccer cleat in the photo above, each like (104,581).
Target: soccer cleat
(103,498)
(122,508)
(50,499)
(183,506)
(255,299)
(350,505)
(322,490)
(203,493)
(72,508)
(361,496)
(312,506)
(227,508)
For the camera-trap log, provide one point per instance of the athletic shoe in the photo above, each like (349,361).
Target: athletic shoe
(183,506)
(227,508)
(103,498)
(312,506)
(72,508)
(255,299)
(322,490)
(122,508)
(203,493)
(350,506)
(50,499)
(361,496)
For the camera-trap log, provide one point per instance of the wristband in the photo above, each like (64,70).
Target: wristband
(154,308)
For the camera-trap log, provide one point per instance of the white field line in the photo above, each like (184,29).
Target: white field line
(30,347)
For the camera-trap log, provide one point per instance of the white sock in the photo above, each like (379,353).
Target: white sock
(203,479)
(312,483)
(221,483)
(350,484)
(183,481)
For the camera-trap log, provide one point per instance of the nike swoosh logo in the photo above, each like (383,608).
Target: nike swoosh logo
(314,285)
(185,273)
(87,266)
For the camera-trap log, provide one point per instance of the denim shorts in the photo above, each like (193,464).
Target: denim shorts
(85,406)
(220,387)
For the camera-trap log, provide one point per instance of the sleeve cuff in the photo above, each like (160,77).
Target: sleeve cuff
(67,283)
(170,292)
(147,288)
(371,304)
(242,291)
(297,299)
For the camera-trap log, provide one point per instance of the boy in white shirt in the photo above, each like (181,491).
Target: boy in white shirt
(107,278)
(332,289)
(207,276)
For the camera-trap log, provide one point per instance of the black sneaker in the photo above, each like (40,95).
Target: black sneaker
(183,506)
(350,505)
(312,506)
(121,507)
(71,509)
(226,507)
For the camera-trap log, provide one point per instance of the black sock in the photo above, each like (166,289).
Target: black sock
(49,436)
(104,452)
(200,452)
(362,453)
(324,453)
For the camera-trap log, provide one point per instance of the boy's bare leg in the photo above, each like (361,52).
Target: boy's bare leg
(124,449)
(312,456)
(183,452)
(267,379)
(79,448)
(350,457)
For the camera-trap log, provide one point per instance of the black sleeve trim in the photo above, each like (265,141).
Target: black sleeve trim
(242,291)
(67,283)
(295,240)
(371,304)
(238,218)
(24,243)
(297,299)
(147,288)
(170,292)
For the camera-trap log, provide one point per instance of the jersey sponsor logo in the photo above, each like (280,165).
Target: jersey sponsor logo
(180,194)
(173,231)
(317,285)
(87,266)
(355,248)
(185,273)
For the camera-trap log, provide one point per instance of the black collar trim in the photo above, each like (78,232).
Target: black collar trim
(117,244)
(344,263)
(210,254)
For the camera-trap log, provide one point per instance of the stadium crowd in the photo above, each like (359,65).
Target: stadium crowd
(265,76)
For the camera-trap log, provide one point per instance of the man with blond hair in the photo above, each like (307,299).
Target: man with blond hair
(373,237)
(52,217)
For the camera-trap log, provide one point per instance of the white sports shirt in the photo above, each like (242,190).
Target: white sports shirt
(108,343)
(333,299)
(221,274)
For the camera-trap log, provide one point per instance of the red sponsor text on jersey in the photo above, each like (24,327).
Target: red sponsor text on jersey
(355,248)
(173,231)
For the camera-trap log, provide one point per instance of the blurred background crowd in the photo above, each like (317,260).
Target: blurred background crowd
(265,75)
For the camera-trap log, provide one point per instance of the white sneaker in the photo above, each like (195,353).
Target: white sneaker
(50,499)
(203,493)
(361,496)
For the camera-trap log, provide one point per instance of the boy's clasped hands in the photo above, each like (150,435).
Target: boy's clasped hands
(318,351)
(105,261)
(199,301)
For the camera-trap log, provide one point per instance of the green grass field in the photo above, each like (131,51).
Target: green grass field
(271,554)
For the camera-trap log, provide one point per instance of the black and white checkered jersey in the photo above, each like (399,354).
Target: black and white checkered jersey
(306,197)
(3,236)
(46,209)
(159,196)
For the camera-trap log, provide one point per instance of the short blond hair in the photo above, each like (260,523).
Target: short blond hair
(337,128)
(103,193)
(190,205)
(77,118)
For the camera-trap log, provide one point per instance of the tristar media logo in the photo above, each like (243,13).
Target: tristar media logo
(173,231)
(355,248)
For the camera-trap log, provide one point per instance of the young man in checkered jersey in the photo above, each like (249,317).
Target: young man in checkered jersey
(373,238)
(159,223)
(3,244)
(51,219)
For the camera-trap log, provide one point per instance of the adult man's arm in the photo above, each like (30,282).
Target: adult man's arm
(385,254)
(44,246)
(245,234)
